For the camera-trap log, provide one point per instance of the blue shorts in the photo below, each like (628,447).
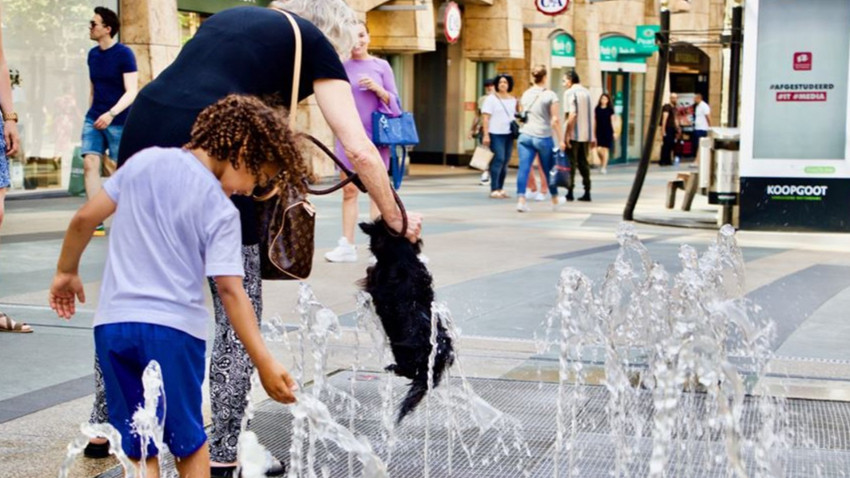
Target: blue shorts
(5,180)
(124,350)
(98,141)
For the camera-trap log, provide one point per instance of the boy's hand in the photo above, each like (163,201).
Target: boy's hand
(277,382)
(65,288)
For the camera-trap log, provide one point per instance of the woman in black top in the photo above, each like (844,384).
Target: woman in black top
(250,50)
(604,130)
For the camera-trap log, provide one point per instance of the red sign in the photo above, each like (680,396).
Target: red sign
(801,96)
(552,7)
(803,61)
(452,22)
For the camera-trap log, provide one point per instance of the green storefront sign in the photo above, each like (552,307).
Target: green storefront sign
(645,38)
(563,50)
(620,49)
(213,6)
(563,45)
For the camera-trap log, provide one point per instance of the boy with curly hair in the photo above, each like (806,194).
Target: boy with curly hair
(173,227)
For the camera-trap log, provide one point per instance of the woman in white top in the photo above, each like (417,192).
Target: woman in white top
(540,114)
(496,116)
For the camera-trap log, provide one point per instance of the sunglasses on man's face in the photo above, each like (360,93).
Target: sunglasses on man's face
(93,24)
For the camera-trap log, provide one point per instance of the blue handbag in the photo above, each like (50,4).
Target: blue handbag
(395,131)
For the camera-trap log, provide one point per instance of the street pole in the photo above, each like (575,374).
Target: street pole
(737,40)
(663,41)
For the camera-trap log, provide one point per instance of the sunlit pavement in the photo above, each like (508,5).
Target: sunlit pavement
(496,269)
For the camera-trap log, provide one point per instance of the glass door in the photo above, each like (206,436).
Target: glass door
(616,84)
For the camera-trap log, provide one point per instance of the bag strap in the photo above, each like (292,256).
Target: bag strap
(504,107)
(351,177)
(296,68)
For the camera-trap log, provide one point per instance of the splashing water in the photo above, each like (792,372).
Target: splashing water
(671,339)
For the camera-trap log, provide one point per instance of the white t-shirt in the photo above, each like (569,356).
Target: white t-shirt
(700,113)
(501,113)
(173,227)
(537,102)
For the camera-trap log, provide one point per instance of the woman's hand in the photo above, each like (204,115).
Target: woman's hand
(13,140)
(414,226)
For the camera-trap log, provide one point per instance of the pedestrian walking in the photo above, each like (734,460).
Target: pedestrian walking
(579,136)
(9,144)
(174,225)
(671,132)
(540,114)
(477,130)
(702,121)
(374,89)
(251,50)
(604,115)
(497,113)
(114,84)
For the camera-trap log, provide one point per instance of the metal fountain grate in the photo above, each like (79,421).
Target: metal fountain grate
(820,442)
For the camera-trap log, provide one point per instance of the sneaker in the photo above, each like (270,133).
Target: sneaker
(522,207)
(344,252)
(538,196)
(485,178)
(530,194)
(372,259)
(423,258)
(604,170)
(99,231)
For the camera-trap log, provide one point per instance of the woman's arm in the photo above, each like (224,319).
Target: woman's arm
(337,105)
(555,122)
(10,127)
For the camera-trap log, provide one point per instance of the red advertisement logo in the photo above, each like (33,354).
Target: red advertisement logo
(803,61)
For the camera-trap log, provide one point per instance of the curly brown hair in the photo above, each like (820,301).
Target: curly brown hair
(246,131)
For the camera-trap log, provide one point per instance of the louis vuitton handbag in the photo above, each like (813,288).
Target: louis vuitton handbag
(286,218)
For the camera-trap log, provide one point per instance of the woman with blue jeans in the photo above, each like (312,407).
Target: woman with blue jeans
(540,113)
(497,112)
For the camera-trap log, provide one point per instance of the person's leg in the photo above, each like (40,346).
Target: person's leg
(98,447)
(194,465)
(93,148)
(230,366)
(602,151)
(571,184)
(509,149)
(497,145)
(545,150)
(113,140)
(2,204)
(667,149)
(525,148)
(582,152)
(345,250)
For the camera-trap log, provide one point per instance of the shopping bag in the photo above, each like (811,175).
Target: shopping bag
(77,183)
(481,158)
(559,176)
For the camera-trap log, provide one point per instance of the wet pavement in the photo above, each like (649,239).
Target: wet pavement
(496,268)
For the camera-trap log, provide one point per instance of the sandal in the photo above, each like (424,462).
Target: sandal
(9,325)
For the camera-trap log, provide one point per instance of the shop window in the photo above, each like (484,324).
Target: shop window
(46,45)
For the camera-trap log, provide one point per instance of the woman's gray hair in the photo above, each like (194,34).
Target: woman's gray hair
(334,18)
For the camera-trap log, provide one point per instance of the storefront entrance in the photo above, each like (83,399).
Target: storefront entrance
(626,90)
(623,78)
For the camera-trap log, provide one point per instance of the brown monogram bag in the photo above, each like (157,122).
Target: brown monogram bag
(286,218)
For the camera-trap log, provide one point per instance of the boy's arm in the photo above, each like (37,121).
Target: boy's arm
(274,377)
(66,283)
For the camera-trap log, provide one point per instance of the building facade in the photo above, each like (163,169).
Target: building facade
(439,80)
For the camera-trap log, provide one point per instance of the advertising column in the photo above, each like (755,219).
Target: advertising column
(795,173)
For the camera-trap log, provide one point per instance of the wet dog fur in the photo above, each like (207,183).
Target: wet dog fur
(402,292)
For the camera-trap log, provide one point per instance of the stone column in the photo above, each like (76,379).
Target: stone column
(151,29)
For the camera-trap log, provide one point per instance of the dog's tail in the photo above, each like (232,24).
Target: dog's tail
(418,390)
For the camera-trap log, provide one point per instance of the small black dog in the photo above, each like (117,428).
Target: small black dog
(402,292)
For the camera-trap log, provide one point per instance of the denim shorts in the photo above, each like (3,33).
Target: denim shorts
(124,350)
(98,141)
(5,180)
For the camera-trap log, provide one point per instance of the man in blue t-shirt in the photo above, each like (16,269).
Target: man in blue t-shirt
(114,84)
